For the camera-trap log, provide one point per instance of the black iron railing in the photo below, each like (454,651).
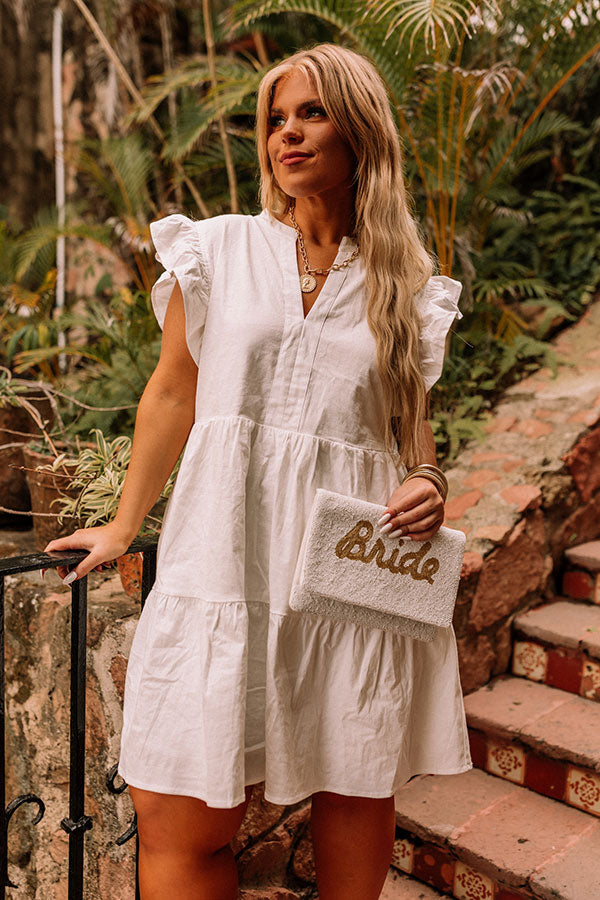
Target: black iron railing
(76,823)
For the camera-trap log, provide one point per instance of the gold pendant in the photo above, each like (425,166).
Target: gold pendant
(308,283)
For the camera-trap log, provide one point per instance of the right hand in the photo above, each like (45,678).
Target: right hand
(105,543)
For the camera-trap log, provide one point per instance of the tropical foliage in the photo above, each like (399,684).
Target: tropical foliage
(494,103)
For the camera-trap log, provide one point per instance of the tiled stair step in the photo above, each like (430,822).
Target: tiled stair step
(581,580)
(559,644)
(399,886)
(476,837)
(537,736)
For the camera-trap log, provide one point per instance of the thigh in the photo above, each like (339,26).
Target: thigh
(174,823)
(335,811)
(346,802)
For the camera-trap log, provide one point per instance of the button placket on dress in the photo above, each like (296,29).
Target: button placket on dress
(301,333)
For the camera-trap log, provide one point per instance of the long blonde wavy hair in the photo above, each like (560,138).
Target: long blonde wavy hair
(395,260)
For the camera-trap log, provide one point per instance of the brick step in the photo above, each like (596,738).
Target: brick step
(559,644)
(537,736)
(581,579)
(399,886)
(476,836)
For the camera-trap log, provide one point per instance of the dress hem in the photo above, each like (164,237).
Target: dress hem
(304,795)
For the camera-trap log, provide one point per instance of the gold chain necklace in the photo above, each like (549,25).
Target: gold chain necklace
(307,281)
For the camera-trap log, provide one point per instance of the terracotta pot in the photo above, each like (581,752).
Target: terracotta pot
(14,490)
(44,487)
(130,569)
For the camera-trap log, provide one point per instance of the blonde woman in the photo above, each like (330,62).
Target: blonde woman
(292,340)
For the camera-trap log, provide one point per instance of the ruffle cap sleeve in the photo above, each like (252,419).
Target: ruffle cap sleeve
(180,250)
(438,305)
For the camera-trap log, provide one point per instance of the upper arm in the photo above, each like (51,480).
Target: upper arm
(176,368)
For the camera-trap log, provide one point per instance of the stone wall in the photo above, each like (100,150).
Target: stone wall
(528,492)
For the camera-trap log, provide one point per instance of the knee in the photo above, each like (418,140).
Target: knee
(170,824)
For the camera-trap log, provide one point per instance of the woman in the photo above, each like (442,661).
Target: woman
(292,340)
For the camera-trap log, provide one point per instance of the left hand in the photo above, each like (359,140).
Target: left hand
(417,508)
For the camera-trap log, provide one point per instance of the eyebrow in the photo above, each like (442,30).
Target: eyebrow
(314,102)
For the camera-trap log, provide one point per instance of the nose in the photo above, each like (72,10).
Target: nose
(292,131)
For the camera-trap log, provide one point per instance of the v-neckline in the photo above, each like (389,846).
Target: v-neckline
(345,248)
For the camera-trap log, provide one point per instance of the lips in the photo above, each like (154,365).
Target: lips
(292,157)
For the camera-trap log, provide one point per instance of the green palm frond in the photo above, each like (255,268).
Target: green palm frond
(191,74)
(549,123)
(346,18)
(232,97)
(209,157)
(427,18)
(38,244)
(121,168)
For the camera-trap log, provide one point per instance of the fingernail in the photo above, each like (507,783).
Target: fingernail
(385,518)
(70,577)
(396,533)
(42,573)
(386,528)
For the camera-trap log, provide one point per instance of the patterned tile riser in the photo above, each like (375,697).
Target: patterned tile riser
(579,584)
(438,867)
(554,778)
(565,669)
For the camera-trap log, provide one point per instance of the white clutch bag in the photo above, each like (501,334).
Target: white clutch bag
(347,570)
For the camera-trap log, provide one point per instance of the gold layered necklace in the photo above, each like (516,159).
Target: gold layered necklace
(308,282)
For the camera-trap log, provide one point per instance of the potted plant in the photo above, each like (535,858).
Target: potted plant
(97,481)
(36,404)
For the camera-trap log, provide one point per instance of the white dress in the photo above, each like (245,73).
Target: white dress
(226,685)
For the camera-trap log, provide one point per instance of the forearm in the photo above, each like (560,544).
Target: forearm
(427,445)
(162,426)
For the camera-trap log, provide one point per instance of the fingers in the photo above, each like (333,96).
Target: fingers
(417,515)
(418,529)
(73,541)
(424,529)
(78,571)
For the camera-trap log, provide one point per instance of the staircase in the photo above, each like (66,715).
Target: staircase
(525,822)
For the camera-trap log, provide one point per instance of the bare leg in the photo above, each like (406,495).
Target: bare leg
(185,851)
(353,841)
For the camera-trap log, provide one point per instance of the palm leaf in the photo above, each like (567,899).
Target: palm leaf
(427,17)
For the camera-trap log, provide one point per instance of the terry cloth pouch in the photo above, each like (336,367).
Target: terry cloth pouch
(347,570)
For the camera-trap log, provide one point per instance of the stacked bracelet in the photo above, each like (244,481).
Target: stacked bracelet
(433,473)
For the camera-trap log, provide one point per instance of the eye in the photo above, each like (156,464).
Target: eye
(275,121)
(318,110)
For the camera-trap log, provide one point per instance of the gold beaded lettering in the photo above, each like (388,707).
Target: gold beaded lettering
(353,545)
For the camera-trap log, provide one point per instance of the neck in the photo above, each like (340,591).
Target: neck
(324,221)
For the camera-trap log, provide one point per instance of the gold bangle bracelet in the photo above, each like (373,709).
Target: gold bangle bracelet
(434,470)
(430,476)
(430,466)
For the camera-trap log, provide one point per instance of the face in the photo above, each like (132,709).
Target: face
(307,154)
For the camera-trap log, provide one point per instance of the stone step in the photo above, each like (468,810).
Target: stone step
(581,578)
(399,886)
(559,644)
(537,736)
(585,556)
(476,836)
